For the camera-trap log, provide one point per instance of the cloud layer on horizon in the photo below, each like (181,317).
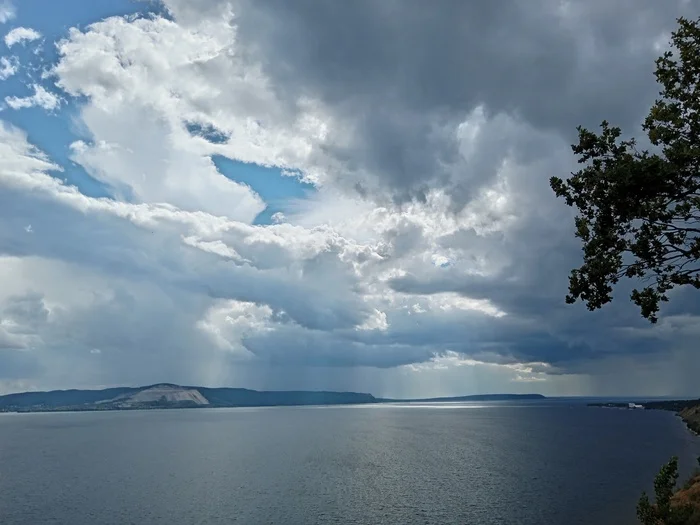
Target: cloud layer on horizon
(431,257)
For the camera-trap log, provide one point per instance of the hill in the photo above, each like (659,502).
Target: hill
(476,397)
(169,396)
(688,410)
(226,397)
(691,416)
(166,395)
(689,496)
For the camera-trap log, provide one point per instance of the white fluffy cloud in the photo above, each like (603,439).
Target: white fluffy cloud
(41,98)
(189,73)
(7,11)
(21,35)
(8,67)
(430,259)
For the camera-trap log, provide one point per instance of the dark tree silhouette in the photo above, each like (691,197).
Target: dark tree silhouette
(639,211)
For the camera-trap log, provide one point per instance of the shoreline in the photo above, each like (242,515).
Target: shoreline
(168,396)
(688,410)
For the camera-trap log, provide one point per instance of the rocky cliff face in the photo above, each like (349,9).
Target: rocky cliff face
(691,416)
(689,496)
(161,394)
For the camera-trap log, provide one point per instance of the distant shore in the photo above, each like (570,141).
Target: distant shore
(688,410)
(170,396)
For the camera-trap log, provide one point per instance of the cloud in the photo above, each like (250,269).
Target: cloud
(7,11)
(21,35)
(201,81)
(286,256)
(8,67)
(10,341)
(271,261)
(41,98)
(401,93)
(431,257)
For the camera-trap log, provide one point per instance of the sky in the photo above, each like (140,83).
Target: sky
(318,195)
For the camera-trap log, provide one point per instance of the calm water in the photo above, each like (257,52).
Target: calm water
(492,464)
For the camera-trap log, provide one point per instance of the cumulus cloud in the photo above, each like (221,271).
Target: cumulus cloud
(278,265)
(8,67)
(430,258)
(403,89)
(41,98)
(21,35)
(7,11)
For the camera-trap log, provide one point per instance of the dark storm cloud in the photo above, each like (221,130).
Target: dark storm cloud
(17,363)
(398,77)
(25,312)
(539,253)
(312,348)
(402,73)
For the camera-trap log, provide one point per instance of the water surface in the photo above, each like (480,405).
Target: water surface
(486,463)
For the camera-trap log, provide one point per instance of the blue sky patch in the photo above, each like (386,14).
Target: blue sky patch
(53,132)
(276,189)
(53,18)
(207,132)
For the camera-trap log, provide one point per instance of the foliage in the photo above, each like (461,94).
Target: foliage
(639,211)
(662,512)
